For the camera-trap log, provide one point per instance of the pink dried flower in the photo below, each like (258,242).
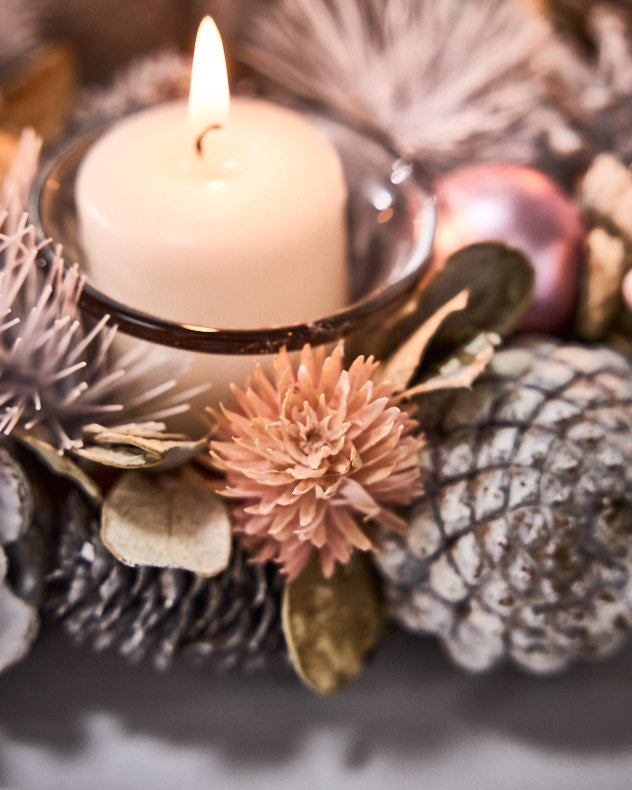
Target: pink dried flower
(319,459)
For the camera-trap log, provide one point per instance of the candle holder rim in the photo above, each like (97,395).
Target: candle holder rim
(367,309)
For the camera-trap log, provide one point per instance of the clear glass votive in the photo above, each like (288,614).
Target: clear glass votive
(391,221)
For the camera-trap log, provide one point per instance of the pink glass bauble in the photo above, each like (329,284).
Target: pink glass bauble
(524,209)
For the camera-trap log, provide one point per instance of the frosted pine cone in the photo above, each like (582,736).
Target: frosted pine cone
(22,561)
(231,619)
(521,547)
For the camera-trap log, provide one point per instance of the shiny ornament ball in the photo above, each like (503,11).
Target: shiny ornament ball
(524,209)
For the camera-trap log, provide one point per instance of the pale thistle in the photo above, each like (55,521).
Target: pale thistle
(595,92)
(56,375)
(445,82)
(320,458)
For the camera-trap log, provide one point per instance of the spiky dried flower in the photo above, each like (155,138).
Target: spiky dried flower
(446,82)
(55,374)
(595,91)
(320,458)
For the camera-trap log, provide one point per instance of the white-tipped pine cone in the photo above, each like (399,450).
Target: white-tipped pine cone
(231,620)
(22,561)
(521,547)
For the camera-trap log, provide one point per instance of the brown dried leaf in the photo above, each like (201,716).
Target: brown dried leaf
(93,430)
(569,14)
(401,365)
(118,457)
(461,369)
(8,150)
(330,625)
(167,521)
(39,91)
(606,191)
(600,296)
(129,451)
(60,464)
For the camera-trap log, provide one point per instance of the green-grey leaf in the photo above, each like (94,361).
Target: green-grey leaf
(330,625)
(167,521)
(500,281)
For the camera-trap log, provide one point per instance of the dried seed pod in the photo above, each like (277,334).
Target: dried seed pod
(521,547)
(607,260)
(232,619)
(605,193)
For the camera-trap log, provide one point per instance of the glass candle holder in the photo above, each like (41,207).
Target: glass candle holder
(391,221)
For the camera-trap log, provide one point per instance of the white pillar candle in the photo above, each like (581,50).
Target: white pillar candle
(216,215)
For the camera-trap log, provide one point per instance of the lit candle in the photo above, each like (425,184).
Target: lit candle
(223,214)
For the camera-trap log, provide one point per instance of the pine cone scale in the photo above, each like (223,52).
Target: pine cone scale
(232,619)
(521,546)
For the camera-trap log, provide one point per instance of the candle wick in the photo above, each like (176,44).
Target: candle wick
(210,128)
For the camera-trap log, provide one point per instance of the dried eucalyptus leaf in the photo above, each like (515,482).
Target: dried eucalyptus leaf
(401,365)
(167,521)
(461,369)
(61,465)
(120,457)
(131,451)
(95,432)
(330,625)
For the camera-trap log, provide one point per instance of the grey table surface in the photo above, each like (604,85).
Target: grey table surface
(70,719)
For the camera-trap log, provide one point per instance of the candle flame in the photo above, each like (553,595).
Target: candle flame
(209,99)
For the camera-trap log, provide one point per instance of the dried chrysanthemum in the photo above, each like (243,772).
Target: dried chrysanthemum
(319,458)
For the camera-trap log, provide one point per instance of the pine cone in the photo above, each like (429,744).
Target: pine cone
(521,546)
(231,619)
(22,560)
